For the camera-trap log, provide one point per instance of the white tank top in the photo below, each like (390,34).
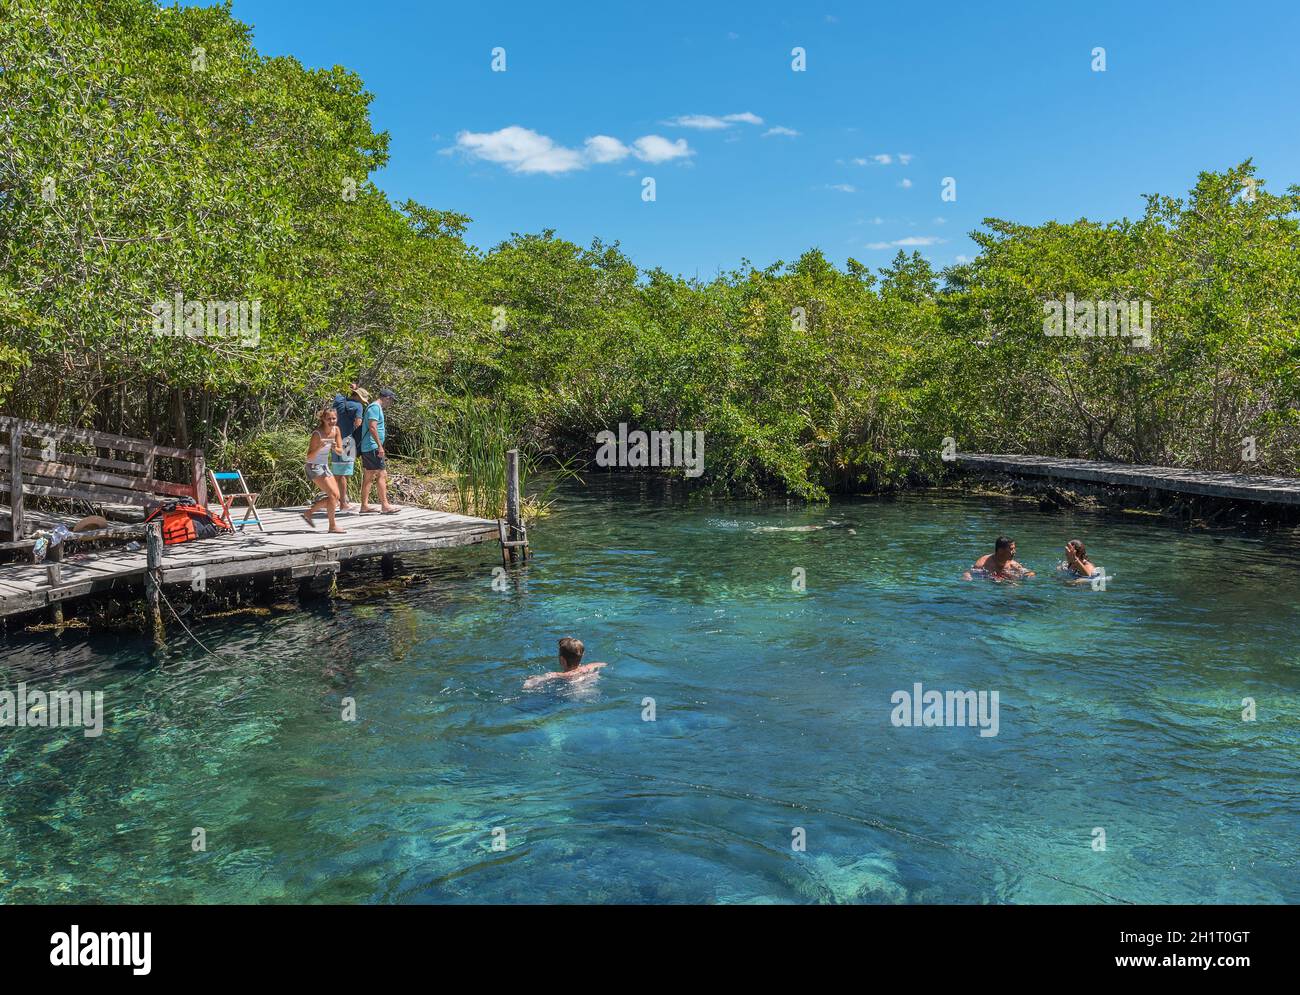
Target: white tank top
(322,454)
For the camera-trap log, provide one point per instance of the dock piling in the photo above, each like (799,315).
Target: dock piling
(16,525)
(53,574)
(153,581)
(514,520)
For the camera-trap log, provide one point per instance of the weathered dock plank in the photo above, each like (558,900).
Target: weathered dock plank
(1235,486)
(288,545)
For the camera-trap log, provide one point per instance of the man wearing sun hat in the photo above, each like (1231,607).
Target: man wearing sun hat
(350,410)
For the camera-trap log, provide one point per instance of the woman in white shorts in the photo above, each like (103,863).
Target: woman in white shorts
(325,442)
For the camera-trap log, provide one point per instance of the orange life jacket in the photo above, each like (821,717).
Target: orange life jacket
(185,521)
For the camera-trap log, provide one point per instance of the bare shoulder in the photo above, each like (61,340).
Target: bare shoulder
(577,673)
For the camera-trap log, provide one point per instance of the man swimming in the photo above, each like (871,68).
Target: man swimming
(1000,564)
(571,651)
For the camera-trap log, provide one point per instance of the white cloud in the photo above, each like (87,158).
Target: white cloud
(841,187)
(520,150)
(656,148)
(711,122)
(780,130)
(703,122)
(883,159)
(602,148)
(963,259)
(912,241)
(905,183)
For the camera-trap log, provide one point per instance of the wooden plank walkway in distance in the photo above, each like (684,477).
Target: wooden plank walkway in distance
(1236,486)
(287,545)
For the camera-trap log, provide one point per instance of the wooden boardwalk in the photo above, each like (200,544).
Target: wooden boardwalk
(1235,486)
(288,545)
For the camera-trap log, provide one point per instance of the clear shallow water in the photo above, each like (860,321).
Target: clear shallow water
(1118,709)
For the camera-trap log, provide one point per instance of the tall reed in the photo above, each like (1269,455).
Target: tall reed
(471,446)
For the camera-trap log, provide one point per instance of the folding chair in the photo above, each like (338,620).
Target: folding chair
(243,494)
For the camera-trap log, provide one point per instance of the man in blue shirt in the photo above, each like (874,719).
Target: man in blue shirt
(350,410)
(374,462)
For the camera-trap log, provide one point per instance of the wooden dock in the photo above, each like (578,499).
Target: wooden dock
(287,546)
(1233,486)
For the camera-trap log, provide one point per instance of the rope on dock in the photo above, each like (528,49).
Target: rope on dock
(176,615)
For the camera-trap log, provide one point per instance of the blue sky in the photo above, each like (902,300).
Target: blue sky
(895,97)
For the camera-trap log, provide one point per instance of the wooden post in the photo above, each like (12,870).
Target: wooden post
(512,501)
(199,477)
(16,480)
(153,581)
(54,577)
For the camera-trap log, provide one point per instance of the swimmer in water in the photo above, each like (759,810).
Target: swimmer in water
(1077,562)
(1000,564)
(574,669)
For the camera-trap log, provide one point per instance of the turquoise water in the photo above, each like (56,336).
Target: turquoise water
(1119,710)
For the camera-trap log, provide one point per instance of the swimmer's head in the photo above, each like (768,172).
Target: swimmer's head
(571,651)
(1077,546)
(1005,545)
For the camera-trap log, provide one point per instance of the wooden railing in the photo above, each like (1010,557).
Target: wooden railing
(77,464)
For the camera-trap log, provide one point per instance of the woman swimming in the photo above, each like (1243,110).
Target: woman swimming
(1076,561)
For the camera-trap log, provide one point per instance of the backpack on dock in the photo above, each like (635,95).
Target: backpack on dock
(185,521)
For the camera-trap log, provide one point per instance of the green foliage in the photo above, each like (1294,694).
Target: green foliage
(233,180)
(469,441)
(271,461)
